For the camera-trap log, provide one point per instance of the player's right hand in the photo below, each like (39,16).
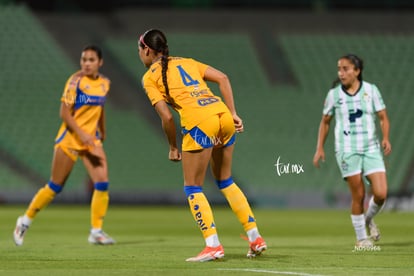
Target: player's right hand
(87,140)
(238,123)
(319,155)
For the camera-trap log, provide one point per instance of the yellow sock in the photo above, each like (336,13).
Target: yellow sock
(202,213)
(99,206)
(42,198)
(240,206)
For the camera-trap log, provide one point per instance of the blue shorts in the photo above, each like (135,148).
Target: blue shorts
(216,131)
(356,163)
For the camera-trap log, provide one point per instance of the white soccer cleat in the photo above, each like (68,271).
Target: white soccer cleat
(374,232)
(19,231)
(366,243)
(208,254)
(100,238)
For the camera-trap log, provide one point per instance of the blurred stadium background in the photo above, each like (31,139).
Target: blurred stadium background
(280,55)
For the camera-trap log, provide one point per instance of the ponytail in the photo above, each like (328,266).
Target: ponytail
(157,41)
(164,66)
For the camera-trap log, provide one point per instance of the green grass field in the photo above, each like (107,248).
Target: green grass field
(157,240)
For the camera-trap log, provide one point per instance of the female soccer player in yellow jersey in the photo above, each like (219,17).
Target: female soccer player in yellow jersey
(81,134)
(355,104)
(208,126)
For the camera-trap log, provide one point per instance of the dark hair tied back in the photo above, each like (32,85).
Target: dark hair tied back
(157,41)
(94,48)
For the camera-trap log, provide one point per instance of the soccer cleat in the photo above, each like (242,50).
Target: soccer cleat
(19,231)
(208,254)
(374,232)
(100,238)
(366,243)
(256,248)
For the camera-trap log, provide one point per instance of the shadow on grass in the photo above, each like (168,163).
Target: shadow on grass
(146,241)
(397,244)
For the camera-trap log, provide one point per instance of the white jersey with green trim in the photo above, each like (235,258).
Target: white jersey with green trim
(355,115)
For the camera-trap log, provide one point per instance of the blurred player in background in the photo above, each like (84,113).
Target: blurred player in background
(355,104)
(208,126)
(81,134)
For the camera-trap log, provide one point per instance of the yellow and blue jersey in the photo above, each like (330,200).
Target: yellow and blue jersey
(189,94)
(86,97)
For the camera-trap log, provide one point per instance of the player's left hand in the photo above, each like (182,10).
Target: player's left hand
(386,147)
(174,155)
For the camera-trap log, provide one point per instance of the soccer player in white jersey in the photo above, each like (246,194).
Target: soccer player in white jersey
(356,104)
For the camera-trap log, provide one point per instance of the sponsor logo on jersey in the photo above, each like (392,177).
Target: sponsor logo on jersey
(355,114)
(196,93)
(204,102)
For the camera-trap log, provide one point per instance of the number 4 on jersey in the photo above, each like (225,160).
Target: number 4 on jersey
(186,78)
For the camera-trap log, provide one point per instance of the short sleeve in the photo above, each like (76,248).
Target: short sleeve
(201,67)
(377,100)
(152,91)
(69,93)
(328,107)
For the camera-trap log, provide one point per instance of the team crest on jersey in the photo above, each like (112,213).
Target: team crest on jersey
(366,97)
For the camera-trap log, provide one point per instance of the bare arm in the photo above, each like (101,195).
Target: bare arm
(67,117)
(226,91)
(102,125)
(168,125)
(385,128)
(322,134)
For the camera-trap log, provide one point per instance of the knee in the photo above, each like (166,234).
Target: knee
(380,198)
(358,195)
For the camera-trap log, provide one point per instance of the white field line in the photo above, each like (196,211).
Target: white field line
(269,271)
